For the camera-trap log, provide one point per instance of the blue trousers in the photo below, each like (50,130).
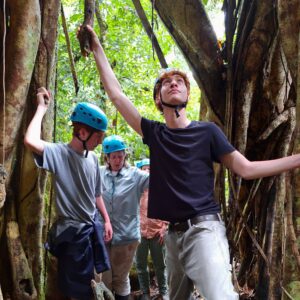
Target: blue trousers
(80,249)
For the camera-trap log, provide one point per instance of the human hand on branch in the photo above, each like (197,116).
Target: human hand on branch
(32,138)
(94,40)
(43,97)
(86,33)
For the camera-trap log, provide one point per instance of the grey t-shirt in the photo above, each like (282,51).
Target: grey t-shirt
(77,180)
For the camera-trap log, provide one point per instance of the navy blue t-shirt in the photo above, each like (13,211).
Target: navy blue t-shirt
(181,171)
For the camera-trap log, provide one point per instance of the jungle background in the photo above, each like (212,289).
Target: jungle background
(246,80)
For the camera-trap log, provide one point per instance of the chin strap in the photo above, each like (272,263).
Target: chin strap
(175,106)
(84,143)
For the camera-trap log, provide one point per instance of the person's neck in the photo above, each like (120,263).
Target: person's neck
(76,145)
(173,122)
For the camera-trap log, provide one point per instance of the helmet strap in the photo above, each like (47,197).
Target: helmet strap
(175,106)
(86,150)
(84,143)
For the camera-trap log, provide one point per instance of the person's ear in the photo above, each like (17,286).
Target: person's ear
(157,100)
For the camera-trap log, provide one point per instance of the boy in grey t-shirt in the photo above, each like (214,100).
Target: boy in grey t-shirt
(76,238)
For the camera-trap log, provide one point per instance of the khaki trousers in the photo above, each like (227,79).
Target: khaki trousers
(121,259)
(199,257)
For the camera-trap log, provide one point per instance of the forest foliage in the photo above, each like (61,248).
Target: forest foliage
(133,59)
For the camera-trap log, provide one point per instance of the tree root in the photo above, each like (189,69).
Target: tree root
(1,296)
(22,278)
(3,176)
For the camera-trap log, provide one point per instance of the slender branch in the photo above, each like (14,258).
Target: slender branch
(280,119)
(3,176)
(287,294)
(84,35)
(150,33)
(251,196)
(298,90)
(102,25)
(229,40)
(250,233)
(70,54)
(290,227)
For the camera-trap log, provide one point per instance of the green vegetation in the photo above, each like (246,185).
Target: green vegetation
(130,52)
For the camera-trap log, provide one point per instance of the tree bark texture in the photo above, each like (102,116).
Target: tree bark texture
(30,63)
(83,35)
(22,33)
(289,22)
(261,78)
(189,25)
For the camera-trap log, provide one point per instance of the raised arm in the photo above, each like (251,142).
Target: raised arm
(240,165)
(32,137)
(112,85)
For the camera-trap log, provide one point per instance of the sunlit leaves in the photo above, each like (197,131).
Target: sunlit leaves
(130,53)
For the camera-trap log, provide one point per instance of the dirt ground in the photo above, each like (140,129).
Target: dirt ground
(154,293)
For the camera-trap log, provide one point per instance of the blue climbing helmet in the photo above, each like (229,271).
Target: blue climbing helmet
(143,162)
(91,115)
(113,143)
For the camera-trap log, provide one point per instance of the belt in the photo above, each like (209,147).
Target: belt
(185,225)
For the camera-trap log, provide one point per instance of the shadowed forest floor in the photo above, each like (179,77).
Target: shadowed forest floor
(154,293)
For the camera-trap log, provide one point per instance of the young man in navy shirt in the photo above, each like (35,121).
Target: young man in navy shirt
(181,187)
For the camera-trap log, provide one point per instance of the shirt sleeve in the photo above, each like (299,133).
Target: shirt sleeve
(143,180)
(98,188)
(146,126)
(49,159)
(219,143)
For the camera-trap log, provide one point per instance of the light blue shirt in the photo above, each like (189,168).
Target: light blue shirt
(121,194)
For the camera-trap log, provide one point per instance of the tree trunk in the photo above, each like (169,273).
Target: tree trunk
(30,63)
